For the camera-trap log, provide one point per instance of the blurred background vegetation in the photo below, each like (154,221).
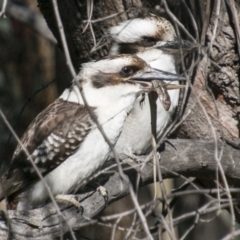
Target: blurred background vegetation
(32,75)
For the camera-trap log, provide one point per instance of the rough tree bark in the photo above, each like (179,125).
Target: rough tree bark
(215,90)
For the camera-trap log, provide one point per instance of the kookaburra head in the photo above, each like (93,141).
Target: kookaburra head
(123,69)
(117,77)
(135,35)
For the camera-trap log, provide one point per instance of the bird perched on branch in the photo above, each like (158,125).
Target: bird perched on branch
(154,40)
(64,141)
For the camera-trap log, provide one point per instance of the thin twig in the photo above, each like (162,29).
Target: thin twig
(115,226)
(89,13)
(232,235)
(195,27)
(173,17)
(232,7)
(206,21)
(3,10)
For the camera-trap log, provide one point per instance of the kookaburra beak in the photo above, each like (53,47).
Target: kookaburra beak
(174,46)
(155,74)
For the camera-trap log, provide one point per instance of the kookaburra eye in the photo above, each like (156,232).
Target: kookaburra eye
(126,71)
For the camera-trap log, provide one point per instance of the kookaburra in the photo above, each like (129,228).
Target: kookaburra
(63,140)
(154,40)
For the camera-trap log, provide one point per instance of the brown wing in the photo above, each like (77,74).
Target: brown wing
(54,135)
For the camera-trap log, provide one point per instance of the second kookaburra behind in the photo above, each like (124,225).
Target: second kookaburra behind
(154,40)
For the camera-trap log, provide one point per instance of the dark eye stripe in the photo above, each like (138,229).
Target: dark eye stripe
(148,41)
(128,48)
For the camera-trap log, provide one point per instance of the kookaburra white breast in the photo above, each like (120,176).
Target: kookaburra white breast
(63,140)
(154,40)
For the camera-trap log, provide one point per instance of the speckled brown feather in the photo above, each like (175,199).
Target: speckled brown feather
(54,135)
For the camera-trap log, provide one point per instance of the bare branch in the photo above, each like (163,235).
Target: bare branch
(43,223)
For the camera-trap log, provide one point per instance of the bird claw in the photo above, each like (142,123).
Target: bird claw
(68,198)
(103,191)
(80,209)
